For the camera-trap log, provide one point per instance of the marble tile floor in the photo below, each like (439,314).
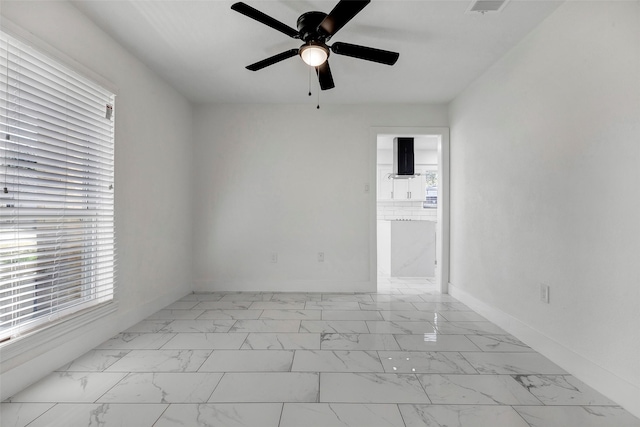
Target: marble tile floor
(405,356)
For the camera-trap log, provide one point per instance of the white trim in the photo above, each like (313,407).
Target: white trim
(442,227)
(30,39)
(44,334)
(615,388)
(331,286)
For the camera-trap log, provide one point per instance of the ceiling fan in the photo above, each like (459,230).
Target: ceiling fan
(316,29)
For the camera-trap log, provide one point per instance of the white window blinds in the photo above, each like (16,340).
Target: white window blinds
(57,251)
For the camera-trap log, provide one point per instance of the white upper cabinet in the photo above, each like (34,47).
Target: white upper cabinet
(417,188)
(401,189)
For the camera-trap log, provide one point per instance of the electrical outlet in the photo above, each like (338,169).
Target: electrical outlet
(320,256)
(366,188)
(544,293)
(274,257)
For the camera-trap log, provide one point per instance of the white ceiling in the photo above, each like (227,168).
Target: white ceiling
(201,47)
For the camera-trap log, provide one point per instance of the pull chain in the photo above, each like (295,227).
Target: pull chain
(311,72)
(319,90)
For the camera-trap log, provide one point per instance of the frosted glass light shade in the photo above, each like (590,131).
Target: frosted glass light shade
(314,55)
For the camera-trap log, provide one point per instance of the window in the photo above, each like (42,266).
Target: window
(57,249)
(431,189)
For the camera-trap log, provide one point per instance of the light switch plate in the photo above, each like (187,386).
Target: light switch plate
(544,293)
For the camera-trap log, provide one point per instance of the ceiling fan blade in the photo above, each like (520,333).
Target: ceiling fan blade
(366,53)
(324,76)
(265,19)
(272,60)
(342,13)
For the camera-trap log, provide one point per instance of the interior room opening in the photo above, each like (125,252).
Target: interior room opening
(407,211)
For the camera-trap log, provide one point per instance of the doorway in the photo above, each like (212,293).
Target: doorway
(411,215)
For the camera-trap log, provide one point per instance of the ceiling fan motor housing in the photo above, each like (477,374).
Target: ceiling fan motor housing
(308,24)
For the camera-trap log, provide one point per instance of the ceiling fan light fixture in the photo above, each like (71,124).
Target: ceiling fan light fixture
(315,29)
(314,54)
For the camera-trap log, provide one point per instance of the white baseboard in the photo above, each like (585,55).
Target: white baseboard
(21,370)
(332,286)
(612,386)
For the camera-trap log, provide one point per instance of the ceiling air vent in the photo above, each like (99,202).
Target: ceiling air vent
(487,6)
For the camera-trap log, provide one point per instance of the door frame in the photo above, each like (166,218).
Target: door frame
(443,225)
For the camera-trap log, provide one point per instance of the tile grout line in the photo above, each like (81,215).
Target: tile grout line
(401,415)
(161,415)
(39,416)
(519,414)
(215,388)
(423,389)
(281,412)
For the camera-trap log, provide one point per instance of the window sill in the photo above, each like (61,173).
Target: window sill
(39,337)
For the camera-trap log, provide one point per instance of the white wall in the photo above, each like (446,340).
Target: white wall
(152,187)
(290,179)
(545,179)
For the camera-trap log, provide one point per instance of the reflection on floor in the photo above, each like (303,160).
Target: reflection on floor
(403,357)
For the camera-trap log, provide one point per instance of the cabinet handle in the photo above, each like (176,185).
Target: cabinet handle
(392,194)
(408,194)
